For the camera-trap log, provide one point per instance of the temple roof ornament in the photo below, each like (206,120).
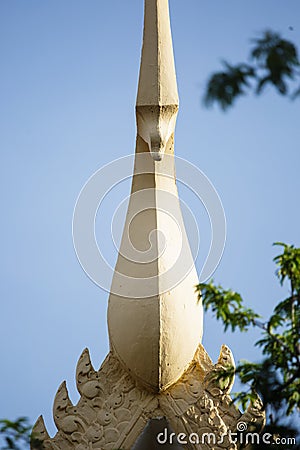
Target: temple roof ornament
(155,320)
(157,375)
(115,412)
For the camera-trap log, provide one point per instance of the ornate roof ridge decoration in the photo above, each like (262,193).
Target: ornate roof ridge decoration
(114,409)
(157,366)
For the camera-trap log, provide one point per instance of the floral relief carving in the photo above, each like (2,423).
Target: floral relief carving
(114,409)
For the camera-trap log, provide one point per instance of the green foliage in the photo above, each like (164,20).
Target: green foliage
(227,306)
(289,266)
(229,84)
(277,377)
(16,434)
(273,61)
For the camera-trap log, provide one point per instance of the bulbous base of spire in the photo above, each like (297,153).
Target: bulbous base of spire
(154,314)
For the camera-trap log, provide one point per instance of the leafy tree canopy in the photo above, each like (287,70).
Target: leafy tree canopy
(277,377)
(272,61)
(16,434)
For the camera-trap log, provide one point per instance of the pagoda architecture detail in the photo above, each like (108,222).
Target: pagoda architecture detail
(157,383)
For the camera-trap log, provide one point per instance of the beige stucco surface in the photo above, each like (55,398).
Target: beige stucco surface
(154,316)
(157,98)
(155,336)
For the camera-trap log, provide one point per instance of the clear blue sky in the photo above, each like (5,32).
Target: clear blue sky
(68,84)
